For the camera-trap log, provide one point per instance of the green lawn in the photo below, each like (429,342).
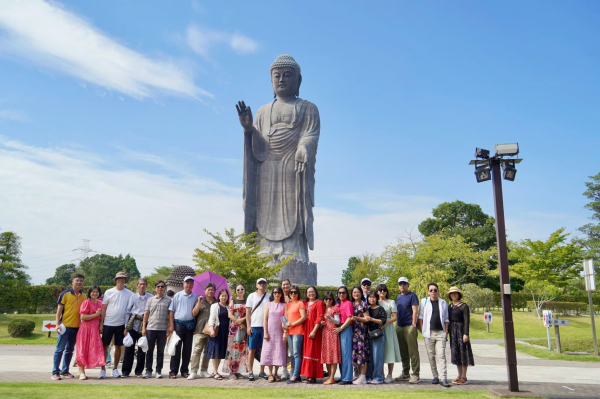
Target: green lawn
(527,325)
(38,337)
(61,391)
(546,354)
(569,344)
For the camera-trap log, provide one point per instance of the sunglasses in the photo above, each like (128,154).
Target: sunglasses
(240,289)
(433,290)
(294,292)
(402,283)
(382,290)
(160,286)
(277,293)
(328,299)
(342,293)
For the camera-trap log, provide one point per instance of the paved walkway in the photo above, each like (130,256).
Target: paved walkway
(547,378)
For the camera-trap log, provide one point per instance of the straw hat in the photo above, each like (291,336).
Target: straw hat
(121,275)
(454,289)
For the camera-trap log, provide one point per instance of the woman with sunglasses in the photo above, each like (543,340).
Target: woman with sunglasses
(360,339)
(376,319)
(345,333)
(311,361)
(285,286)
(273,350)
(392,348)
(331,354)
(237,348)
(295,314)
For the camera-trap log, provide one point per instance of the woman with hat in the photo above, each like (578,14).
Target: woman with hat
(460,346)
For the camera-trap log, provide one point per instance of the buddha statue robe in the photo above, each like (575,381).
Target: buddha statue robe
(278,201)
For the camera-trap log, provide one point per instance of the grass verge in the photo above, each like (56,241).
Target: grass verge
(569,344)
(37,338)
(546,354)
(58,391)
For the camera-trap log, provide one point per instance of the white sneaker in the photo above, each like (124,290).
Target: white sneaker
(116,374)
(102,374)
(285,375)
(159,375)
(192,376)
(204,374)
(147,375)
(361,380)
(388,379)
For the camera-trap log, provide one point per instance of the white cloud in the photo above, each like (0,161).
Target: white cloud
(13,115)
(50,35)
(54,197)
(202,39)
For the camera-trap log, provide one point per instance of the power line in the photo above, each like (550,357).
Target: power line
(84,249)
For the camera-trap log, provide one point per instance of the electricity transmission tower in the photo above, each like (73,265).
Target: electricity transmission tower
(84,250)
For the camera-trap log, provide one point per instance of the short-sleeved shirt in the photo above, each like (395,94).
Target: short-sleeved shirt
(257,318)
(71,304)
(293,315)
(346,310)
(116,309)
(404,303)
(158,313)
(137,306)
(203,315)
(182,305)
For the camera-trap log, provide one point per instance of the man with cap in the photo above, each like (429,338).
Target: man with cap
(135,316)
(255,310)
(114,318)
(406,331)
(183,322)
(365,284)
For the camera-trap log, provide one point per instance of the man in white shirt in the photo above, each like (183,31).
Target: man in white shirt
(113,319)
(255,310)
(433,323)
(134,316)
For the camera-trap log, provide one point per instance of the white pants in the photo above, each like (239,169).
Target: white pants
(436,345)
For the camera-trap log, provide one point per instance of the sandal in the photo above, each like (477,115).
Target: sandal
(233,377)
(172,377)
(186,375)
(271,379)
(217,376)
(277,378)
(455,381)
(463,381)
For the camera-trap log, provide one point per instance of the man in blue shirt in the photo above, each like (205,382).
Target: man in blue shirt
(406,330)
(182,321)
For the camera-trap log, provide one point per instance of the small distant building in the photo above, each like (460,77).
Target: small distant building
(175,279)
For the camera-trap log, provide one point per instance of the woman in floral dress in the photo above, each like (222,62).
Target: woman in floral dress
(360,343)
(90,352)
(331,353)
(237,347)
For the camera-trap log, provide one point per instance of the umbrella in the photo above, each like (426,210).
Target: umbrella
(201,280)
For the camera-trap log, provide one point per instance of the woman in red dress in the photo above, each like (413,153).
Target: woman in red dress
(90,352)
(311,363)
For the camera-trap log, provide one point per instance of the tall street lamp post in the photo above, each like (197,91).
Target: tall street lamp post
(488,168)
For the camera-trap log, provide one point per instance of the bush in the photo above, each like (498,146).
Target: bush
(21,328)
(562,307)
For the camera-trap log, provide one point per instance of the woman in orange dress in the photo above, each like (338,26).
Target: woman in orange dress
(311,361)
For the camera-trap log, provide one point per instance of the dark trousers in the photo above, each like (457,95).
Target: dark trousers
(158,338)
(130,354)
(185,346)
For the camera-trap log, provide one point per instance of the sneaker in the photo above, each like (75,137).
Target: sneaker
(159,374)
(102,374)
(146,375)
(83,377)
(56,377)
(445,383)
(435,381)
(369,380)
(108,364)
(139,375)
(388,379)
(403,378)
(116,374)
(286,374)
(250,376)
(414,379)
(67,375)
(263,375)
(204,374)
(192,376)
(376,382)
(361,380)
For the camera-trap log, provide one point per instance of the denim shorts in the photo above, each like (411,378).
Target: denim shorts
(255,340)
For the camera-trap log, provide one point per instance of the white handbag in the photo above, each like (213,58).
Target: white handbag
(173,341)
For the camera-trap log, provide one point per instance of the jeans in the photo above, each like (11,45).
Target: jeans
(130,354)
(346,347)
(295,343)
(66,344)
(158,338)
(183,350)
(375,366)
(436,345)
(409,349)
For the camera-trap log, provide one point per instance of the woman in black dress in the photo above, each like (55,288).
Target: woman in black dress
(219,321)
(460,346)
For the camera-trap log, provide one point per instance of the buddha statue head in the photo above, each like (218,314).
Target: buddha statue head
(285,76)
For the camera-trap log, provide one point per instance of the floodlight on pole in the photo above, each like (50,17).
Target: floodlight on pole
(510,172)
(509,150)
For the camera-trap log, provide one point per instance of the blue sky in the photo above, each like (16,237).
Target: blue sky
(117,121)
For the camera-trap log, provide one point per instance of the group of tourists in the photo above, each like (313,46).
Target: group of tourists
(286,328)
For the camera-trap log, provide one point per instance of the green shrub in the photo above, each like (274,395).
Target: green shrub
(562,307)
(21,328)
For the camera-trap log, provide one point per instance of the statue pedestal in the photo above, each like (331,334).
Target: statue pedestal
(299,272)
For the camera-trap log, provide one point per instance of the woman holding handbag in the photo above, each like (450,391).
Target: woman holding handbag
(360,338)
(237,346)
(295,314)
(273,349)
(376,319)
(218,329)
